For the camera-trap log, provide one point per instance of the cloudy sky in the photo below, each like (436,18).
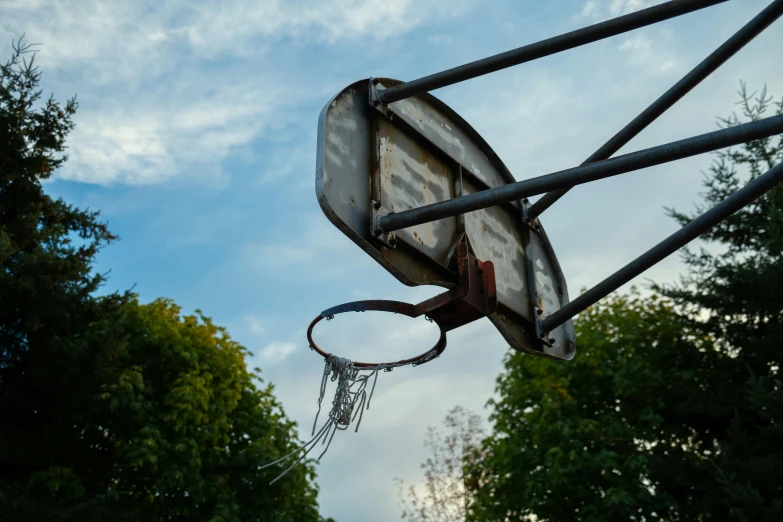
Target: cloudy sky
(196,140)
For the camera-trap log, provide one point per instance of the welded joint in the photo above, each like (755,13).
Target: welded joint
(375,102)
(387,238)
(542,334)
(533,224)
(460,233)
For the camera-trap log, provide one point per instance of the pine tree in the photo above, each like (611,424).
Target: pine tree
(110,409)
(733,293)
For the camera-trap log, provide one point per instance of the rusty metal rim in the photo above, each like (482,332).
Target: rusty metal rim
(396,307)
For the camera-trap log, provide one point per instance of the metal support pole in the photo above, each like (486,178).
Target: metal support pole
(668,246)
(546,47)
(730,47)
(575,176)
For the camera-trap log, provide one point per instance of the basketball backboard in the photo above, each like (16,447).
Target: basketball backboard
(374,160)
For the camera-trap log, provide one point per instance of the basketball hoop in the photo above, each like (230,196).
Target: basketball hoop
(395,307)
(474,297)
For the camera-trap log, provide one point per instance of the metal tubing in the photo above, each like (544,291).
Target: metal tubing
(543,48)
(668,246)
(730,47)
(576,176)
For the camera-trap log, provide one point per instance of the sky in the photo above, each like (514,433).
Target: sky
(196,140)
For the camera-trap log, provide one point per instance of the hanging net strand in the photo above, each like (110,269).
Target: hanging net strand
(350,400)
(351,396)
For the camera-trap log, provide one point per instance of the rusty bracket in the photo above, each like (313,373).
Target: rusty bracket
(474,297)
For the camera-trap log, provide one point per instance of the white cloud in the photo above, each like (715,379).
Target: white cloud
(117,144)
(84,31)
(110,38)
(290,159)
(528,117)
(621,7)
(590,9)
(598,10)
(440,39)
(655,56)
(277,351)
(214,26)
(255,325)
(639,45)
(153,105)
(317,238)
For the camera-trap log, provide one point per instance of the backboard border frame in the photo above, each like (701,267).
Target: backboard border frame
(531,331)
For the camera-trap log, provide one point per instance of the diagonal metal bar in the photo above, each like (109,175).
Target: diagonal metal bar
(748,32)
(744,196)
(546,47)
(583,174)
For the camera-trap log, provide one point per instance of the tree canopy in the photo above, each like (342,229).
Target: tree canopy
(672,407)
(732,294)
(111,409)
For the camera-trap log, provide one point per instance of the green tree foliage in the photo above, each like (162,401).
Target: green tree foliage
(671,409)
(738,287)
(600,437)
(111,409)
(189,428)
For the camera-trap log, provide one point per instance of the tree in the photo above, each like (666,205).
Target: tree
(110,409)
(737,286)
(189,428)
(584,440)
(671,409)
(446,498)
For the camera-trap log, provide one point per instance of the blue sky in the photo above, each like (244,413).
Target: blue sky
(196,137)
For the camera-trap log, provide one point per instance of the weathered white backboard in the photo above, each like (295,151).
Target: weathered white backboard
(418,151)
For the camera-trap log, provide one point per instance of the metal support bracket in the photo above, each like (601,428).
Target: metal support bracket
(375,102)
(533,226)
(389,239)
(459,191)
(474,297)
(543,335)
